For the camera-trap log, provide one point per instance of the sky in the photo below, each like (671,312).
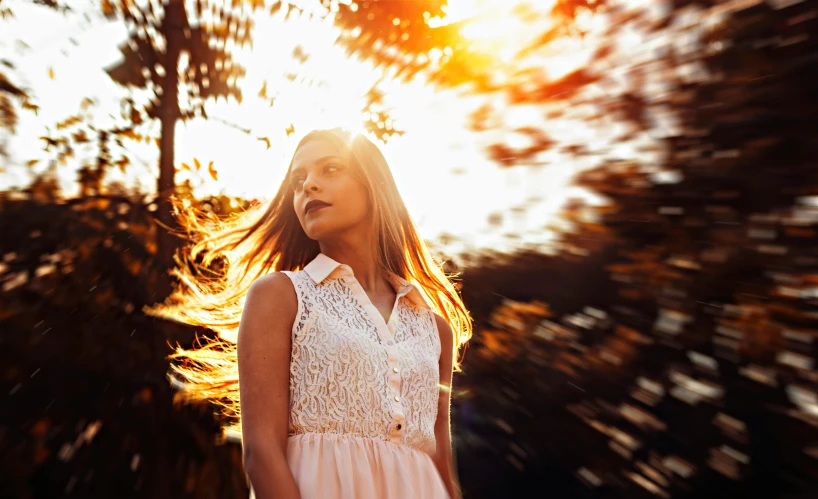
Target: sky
(439,164)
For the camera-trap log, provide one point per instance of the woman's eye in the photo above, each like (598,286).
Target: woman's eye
(297,182)
(332,168)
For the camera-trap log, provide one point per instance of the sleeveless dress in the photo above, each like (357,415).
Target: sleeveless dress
(363,392)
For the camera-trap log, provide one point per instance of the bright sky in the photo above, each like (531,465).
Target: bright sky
(440,166)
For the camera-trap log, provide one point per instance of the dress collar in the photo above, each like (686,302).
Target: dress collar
(323,267)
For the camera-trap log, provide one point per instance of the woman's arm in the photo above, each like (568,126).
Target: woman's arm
(264,345)
(443,458)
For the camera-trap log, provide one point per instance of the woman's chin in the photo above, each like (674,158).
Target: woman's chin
(318,230)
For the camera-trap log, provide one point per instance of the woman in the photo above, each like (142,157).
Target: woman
(345,365)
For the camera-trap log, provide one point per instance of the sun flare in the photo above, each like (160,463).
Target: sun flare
(299,78)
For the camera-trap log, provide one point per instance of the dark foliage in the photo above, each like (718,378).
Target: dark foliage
(668,351)
(697,376)
(87,409)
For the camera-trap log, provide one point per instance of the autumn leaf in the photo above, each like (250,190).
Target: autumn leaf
(290,130)
(32,162)
(51,73)
(49,142)
(108,9)
(198,165)
(265,140)
(263,92)
(131,134)
(122,163)
(68,122)
(31,107)
(186,166)
(212,171)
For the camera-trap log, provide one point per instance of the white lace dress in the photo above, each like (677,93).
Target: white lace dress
(363,392)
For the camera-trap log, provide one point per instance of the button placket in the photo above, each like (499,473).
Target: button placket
(394,393)
(395,374)
(386,333)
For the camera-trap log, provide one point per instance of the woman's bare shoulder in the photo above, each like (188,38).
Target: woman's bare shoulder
(444,329)
(274,283)
(272,295)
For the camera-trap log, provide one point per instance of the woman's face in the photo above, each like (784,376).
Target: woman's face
(328,199)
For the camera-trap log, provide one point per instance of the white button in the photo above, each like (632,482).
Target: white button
(397,399)
(395,369)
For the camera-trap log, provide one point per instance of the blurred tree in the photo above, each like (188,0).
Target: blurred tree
(45,186)
(90,410)
(733,198)
(172,49)
(11,93)
(8,112)
(395,35)
(716,257)
(165,36)
(97,150)
(697,377)
(416,36)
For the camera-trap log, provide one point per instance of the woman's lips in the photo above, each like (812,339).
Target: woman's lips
(314,206)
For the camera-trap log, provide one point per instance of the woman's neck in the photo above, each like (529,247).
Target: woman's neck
(363,261)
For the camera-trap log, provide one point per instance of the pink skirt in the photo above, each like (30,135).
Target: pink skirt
(331,466)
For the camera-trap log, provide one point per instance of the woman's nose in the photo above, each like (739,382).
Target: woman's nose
(310,185)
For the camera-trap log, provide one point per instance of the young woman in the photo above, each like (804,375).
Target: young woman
(348,333)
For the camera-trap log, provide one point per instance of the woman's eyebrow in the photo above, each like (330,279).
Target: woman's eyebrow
(318,161)
(326,158)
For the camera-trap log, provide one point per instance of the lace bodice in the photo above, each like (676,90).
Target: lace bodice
(351,372)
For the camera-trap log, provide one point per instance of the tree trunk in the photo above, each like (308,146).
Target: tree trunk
(166,244)
(173,26)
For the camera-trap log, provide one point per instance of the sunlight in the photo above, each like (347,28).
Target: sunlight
(284,98)
(330,88)
(441,167)
(486,24)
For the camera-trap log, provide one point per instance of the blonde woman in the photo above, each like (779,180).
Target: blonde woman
(348,335)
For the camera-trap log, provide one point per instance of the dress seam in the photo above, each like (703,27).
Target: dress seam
(299,298)
(358,437)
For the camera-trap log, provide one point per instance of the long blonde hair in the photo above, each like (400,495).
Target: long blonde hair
(227,255)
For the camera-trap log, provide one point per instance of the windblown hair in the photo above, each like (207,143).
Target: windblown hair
(228,254)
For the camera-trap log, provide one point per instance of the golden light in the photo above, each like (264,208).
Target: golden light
(325,89)
(487,24)
(440,164)
(329,90)
(504,31)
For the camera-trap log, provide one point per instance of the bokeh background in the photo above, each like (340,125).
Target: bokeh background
(627,188)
